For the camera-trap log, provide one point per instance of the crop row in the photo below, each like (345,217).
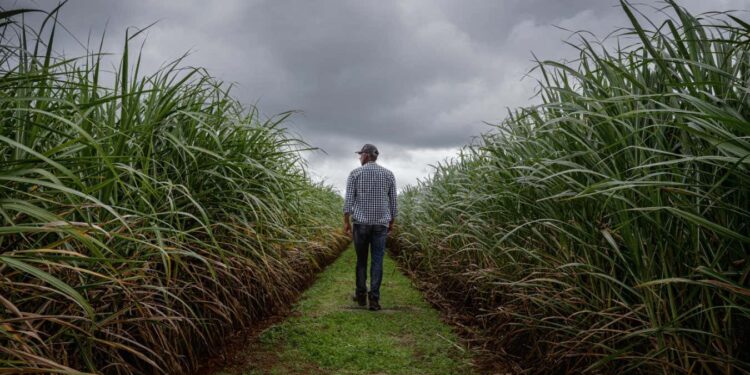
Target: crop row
(607,229)
(141,221)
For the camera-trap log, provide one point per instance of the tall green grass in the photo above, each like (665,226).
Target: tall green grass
(142,223)
(606,229)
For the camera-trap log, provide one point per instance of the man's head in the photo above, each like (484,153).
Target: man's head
(368,153)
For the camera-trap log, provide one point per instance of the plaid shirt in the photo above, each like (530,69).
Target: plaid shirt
(371,195)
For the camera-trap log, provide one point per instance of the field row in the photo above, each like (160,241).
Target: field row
(144,221)
(606,230)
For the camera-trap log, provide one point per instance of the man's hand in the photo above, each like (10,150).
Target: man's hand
(347,225)
(390,226)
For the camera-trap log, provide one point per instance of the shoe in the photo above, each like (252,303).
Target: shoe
(374,305)
(360,299)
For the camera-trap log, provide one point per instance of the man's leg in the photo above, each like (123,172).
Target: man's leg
(379,234)
(361,246)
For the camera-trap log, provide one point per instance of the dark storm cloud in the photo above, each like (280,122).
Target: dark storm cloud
(489,22)
(353,67)
(418,78)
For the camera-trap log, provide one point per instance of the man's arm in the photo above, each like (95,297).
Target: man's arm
(348,204)
(392,202)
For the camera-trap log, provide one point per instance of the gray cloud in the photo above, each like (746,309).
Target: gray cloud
(418,78)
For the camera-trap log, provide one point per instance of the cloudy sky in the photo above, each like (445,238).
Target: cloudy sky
(417,78)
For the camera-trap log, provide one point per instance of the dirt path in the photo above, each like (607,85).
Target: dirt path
(326,333)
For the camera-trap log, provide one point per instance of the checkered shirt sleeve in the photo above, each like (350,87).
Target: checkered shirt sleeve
(371,195)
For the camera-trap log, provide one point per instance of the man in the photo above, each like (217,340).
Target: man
(371,205)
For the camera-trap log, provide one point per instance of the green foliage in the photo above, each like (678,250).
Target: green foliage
(606,230)
(143,222)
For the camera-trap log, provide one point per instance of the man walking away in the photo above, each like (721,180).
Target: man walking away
(371,205)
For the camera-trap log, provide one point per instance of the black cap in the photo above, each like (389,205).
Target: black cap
(368,149)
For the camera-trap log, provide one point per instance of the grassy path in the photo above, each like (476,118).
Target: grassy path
(328,333)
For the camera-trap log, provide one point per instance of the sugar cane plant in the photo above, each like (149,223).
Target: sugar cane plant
(143,222)
(607,229)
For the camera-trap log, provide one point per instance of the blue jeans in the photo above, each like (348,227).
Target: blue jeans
(369,238)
